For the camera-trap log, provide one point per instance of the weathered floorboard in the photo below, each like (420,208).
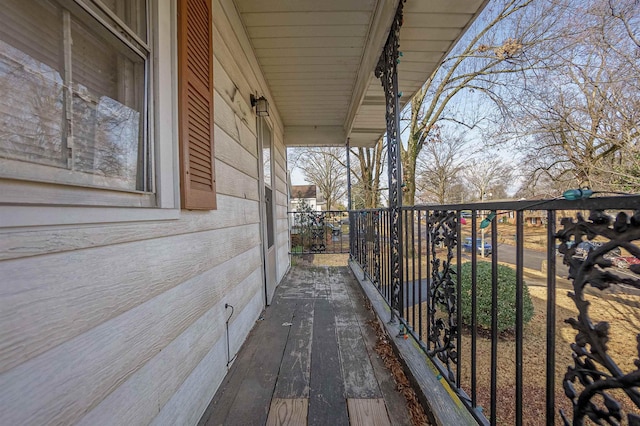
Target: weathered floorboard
(293,380)
(367,412)
(249,404)
(395,402)
(359,379)
(327,403)
(288,412)
(316,359)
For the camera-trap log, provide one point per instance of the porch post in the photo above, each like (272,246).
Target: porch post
(387,72)
(351,224)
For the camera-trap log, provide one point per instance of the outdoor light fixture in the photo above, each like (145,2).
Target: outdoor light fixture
(261,105)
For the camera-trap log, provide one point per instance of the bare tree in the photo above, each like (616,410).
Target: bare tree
(324,167)
(440,163)
(489,175)
(504,41)
(578,121)
(623,11)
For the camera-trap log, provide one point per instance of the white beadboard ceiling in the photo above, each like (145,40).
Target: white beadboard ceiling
(318,57)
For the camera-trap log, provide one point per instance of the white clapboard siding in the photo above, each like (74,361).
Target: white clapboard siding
(282,211)
(248,140)
(22,243)
(124,323)
(225,118)
(231,181)
(232,95)
(281,173)
(235,56)
(281,153)
(200,386)
(81,289)
(25,192)
(282,225)
(234,78)
(175,363)
(281,188)
(224,57)
(228,150)
(281,198)
(280,161)
(61,384)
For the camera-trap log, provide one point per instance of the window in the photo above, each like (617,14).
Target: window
(75,82)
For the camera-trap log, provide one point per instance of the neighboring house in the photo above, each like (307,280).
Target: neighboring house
(305,195)
(531,218)
(143,187)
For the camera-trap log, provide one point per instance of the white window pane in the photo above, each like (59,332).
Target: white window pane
(108,93)
(266,154)
(32,104)
(132,13)
(88,118)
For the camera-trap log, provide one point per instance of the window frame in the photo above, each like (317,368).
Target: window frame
(39,198)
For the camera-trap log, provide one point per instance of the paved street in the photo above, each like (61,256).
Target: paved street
(532,259)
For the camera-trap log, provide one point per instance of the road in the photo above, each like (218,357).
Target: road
(532,259)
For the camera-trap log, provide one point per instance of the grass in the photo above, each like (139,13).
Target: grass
(320,259)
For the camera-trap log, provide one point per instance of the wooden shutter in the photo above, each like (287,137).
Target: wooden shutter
(195,68)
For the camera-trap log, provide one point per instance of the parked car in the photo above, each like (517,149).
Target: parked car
(583,248)
(624,262)
(466,246)
(569,245)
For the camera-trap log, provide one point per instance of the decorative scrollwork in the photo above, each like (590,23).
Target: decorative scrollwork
(443,330)
(591,264)
(317,228)
(387,72)
(376,249)
(353,250)
(362,235)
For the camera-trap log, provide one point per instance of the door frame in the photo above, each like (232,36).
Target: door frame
(269,254)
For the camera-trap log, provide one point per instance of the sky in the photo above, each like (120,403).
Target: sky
(297,177)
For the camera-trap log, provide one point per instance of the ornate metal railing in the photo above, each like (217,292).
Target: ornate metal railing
(319,232)
(570,350)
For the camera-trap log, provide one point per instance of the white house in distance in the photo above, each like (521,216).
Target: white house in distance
(306,194)
(143,182)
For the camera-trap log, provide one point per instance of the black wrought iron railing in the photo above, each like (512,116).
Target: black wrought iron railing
(530,309)
(319,232)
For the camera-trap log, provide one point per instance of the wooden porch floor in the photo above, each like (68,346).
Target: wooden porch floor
(311,360)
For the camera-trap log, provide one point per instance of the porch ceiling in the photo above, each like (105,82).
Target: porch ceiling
(318,58)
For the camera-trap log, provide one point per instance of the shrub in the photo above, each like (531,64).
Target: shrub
(506,297)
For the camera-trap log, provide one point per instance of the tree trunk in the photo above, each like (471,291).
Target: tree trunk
(409,183)
(370,161)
